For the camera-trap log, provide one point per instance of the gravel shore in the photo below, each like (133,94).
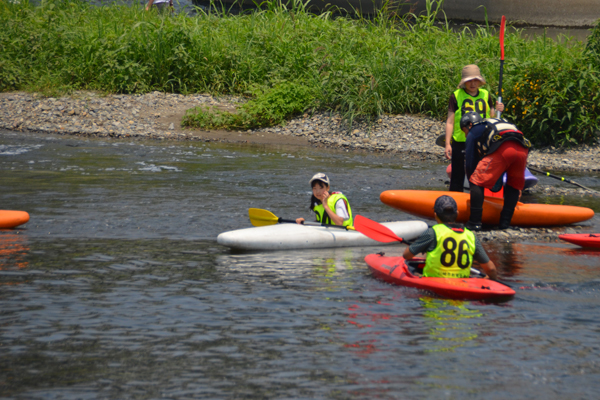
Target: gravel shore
(158,116)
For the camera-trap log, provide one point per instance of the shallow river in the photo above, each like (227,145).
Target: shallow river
(116,288)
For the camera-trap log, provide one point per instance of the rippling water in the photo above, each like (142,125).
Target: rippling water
(116,288)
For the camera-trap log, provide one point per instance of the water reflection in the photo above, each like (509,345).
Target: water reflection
(124,292)
(14,247)
(447,323)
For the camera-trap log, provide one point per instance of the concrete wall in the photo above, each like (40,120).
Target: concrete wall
(559,13)
(551,13)
(564,13)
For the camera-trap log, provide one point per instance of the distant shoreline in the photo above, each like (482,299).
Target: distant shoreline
(158,116)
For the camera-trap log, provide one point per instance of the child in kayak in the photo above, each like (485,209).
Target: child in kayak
(330,208)
(450,249)
(469,97)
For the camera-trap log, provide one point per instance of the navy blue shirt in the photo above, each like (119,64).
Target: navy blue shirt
(471,156)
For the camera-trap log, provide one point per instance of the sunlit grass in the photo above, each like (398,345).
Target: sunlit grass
(287,61)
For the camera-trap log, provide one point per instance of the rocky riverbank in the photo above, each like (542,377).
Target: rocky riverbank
(158,116)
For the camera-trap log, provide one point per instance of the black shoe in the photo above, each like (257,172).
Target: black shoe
(503,226)
(473,227)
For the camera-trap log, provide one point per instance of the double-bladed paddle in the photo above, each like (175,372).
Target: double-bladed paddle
(560,178)
(259,217)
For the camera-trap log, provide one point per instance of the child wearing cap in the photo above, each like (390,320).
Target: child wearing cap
(330,208)
(450,249)
(468,97)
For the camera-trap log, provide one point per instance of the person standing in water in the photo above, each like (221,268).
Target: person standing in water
(330,208)
(468,97)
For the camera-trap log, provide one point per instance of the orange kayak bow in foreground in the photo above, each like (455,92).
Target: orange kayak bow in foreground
(12,219)
(420,203)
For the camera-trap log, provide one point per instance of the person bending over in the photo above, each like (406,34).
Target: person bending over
(501,148)
(450,249)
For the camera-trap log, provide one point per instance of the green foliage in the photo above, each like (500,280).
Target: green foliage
(270,106)
(556,102)
(287,60)
(593,43)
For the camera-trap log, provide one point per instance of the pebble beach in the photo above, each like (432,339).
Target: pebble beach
(158,116)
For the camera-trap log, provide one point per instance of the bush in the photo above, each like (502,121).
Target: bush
(556,101)
(288,60)
(270,106)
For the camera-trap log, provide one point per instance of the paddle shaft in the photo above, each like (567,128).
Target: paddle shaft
(560,178)
(260,217)
(502,27)
(291,221)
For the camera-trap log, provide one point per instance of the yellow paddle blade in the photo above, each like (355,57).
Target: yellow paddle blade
(260,217)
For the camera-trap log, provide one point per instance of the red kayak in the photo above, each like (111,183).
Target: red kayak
(582,239)
(399,271)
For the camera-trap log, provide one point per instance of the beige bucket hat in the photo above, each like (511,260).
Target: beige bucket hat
(470,72)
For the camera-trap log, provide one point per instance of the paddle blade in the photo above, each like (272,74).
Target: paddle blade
(260,217)
(375,230)
(502,27)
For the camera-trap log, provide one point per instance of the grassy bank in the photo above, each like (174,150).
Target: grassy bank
(290,61)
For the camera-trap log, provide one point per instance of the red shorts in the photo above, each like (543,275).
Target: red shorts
(511,158)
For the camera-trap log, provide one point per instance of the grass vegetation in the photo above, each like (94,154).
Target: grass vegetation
(287,61)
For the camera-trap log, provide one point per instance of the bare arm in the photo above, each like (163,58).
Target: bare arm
(449,131)
(490,269)
(150,2)
(336,219)
(407,255)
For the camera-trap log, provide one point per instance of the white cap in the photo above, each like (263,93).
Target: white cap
(319,177)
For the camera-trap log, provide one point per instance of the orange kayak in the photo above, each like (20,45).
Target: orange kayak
(420,203)
(12,219)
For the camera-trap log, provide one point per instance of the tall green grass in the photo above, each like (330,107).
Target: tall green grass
(289,60)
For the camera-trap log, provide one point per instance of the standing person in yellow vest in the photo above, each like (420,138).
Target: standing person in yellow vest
(330,208)
(468,97)
(450,249)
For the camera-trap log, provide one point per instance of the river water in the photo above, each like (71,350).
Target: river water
(117,289)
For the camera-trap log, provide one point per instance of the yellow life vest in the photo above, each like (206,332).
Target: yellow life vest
(453,255)
(467,103)
(322,215)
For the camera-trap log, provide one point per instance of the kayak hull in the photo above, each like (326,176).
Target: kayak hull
(396,271)
(420,203)
(530,179)
(12,219)
(295,236)
(591,240)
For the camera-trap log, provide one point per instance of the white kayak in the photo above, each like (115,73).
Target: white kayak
(295,236)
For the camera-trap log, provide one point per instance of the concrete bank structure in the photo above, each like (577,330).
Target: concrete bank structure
(558,13)
(550,13)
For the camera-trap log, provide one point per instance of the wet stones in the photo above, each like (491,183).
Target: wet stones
(90,114)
